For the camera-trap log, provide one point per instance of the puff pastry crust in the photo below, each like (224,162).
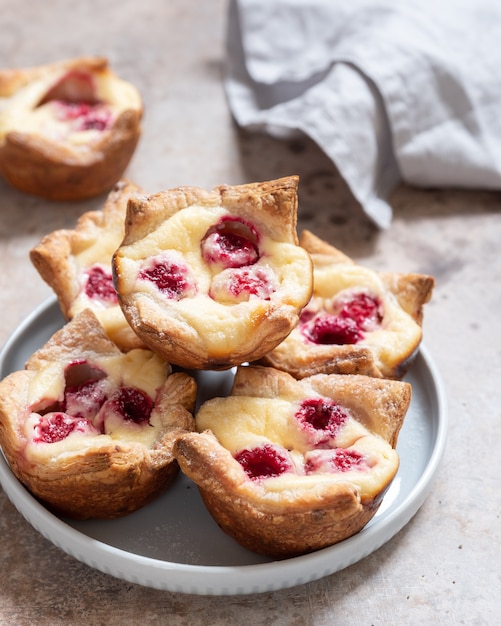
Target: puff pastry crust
(289,466)
(212,279)
(90,430)
(76,264)
(68,129)
(358,321)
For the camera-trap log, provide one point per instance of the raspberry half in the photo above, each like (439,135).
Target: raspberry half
(73,99)
(335,460)
(129,403)
(83,115)
(264,461)
(84,392)
(231,243)
(99,285)
(351,317)
(332,330)
(85,400)
(170,277)
(320,414)
(238,284)
(364,309)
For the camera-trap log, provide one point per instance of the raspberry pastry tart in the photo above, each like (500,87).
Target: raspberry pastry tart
(90,430)
(67,129)
(212,279)
(289,466)
(358,321)
(77,265)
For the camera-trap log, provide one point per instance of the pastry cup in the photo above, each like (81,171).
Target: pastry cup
(193,302)
(76,264)
(387,349)
(48,147)
(308,505)
(63,430)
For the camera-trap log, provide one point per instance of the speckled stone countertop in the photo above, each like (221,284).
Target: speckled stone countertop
(444,566)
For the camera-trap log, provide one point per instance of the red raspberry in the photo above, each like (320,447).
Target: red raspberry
(132,404)
(335,460)
(364,309)
(332,330)
(231,243)
(264,461)
(319,414)
(55,427)
(86,116)
(99,285)
(171,278)
(353,316)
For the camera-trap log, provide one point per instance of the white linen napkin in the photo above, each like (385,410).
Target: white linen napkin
(389,90)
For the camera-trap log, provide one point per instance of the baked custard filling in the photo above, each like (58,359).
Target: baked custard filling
(110,397)
(72,107)
(284,444)
(211,267)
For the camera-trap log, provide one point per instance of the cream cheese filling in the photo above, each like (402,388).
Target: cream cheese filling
(285,265)
(244,422)
(137,368)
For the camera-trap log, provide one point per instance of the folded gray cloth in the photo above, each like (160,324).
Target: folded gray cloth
(389,90)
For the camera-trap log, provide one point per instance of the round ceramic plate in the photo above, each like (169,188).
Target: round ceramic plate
(174,544)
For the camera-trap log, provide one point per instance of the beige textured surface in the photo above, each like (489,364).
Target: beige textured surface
(443,568)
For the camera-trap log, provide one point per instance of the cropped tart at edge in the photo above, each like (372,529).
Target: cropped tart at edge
(67,129)
(76,264)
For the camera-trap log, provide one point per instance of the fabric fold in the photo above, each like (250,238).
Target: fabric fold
(388,91)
